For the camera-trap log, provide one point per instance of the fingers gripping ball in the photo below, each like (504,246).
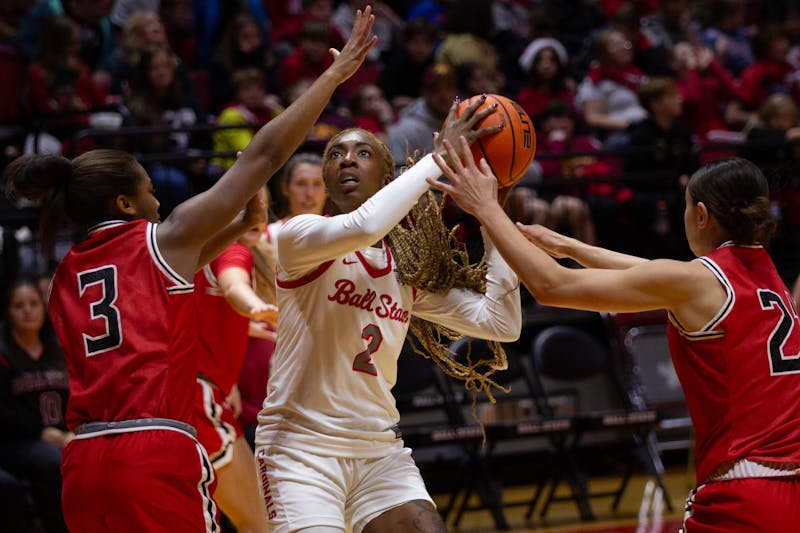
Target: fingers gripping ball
(510,151)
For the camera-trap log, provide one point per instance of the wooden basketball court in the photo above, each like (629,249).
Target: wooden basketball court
(642,509)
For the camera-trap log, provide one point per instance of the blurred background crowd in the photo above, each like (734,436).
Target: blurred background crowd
(628,98)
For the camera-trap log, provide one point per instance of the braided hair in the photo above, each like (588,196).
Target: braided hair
(429,257)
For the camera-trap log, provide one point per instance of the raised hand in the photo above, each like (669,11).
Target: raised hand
(346,62)
(471,187)
(464,125)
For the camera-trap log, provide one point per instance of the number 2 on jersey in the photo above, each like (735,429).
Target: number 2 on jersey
(779,362)
(102,308)
(363,361)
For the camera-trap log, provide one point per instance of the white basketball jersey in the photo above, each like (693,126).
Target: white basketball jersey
(343,320)
(342,327)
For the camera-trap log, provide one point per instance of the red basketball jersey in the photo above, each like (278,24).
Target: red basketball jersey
(127,323)
(223,331)
(741,372)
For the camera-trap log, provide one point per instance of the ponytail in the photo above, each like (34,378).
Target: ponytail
(42,179)
(81,192)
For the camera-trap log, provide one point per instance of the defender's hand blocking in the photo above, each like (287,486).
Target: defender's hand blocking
(548,240)
(457,126)
(471,187)
(360,42)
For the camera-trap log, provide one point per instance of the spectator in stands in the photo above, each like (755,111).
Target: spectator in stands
(773,143)
(213,19)
(468,26)
(773,131)
(401,76)
(545,62)
(473,79)
(511,34)
(286,36)
(96,33)
(332,120)
(159,99)
(607,96)
(34,386)
(143,31)
(412,132)
(311,57)
(60,84)
(242,46)
(664,29)
(598,216)
(666,141)
(626,20)
(707,90)
(300,191)
(178,22)
(372,111)
(252,107)
(727,36)
(771,72)
(387,24)
(661,157)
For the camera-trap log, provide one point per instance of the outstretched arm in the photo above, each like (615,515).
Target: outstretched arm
(255,213)
(558,245)
(184,233)
(494,315)
(235,286)
(305,241)
(648,285)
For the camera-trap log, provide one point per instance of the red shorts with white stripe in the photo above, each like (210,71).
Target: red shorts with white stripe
(144,480)
(217,427)
(745,505)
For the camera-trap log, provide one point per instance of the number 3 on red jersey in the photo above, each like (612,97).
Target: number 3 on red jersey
(779,362)
(102,308)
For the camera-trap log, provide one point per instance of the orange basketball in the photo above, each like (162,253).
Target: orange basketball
(510,151)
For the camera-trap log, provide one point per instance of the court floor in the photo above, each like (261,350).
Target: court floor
(641,510)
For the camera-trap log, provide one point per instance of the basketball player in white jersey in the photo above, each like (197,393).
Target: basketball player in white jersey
(327,451)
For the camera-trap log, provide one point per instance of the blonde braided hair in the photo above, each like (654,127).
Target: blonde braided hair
(429,257)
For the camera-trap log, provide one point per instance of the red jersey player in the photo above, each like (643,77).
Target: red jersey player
(226,302)
(123,309)
(734,331)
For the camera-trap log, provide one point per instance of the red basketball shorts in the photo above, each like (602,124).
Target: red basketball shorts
(145,480)
(747,505)
(217,427)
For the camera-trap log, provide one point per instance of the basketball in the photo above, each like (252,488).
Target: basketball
(510,151)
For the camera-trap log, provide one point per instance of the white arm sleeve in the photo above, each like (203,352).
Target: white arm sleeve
(306,241)
(495,315)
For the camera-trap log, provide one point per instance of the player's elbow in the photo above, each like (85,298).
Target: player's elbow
(511,330)
(544,291)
